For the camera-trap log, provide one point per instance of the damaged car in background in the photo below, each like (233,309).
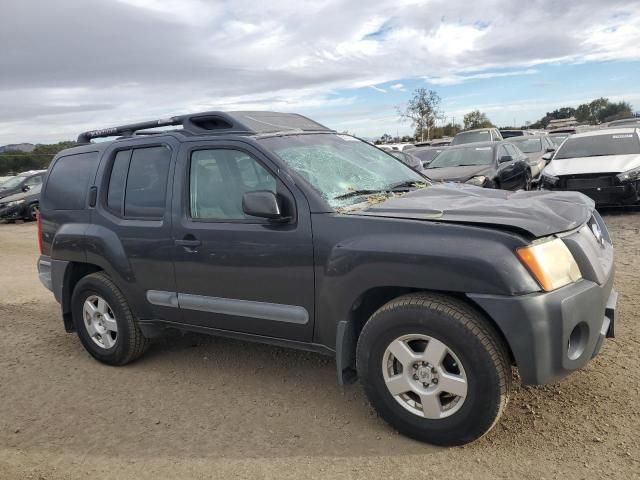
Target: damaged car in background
(23,205)
(485,164)
(536,148)
(602,164)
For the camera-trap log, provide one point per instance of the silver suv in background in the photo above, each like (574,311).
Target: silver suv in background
(477,135)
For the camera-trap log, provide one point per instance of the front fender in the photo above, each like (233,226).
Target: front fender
(354,255)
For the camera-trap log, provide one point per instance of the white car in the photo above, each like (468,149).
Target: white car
(602,164)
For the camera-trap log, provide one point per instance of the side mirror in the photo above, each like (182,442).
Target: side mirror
(550,150)
(262,204)
(26,188)
(548,156)
(505,159)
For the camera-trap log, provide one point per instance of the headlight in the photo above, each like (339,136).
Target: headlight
(549,179)
(15,204)
(550,263)
(479,180)
(630,175)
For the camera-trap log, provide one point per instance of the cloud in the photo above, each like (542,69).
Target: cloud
(457,79)
(88,63)
(398,87)
(377,89)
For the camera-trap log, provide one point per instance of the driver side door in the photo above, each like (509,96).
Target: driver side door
(235,272)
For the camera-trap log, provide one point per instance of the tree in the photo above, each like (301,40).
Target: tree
(476,119)
(422,110)
(385,138)
(16,161)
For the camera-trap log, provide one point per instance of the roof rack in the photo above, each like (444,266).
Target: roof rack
(243,123)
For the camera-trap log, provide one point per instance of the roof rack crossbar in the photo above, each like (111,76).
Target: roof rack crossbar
(240,123)
(125,130)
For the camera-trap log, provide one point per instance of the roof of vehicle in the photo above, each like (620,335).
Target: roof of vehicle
(30,172)
(524,138)
(624,121)
(476,145)
(215,123)
(607,131)
(477,130)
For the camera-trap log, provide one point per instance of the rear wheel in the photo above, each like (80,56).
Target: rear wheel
(434,369)
(105,324)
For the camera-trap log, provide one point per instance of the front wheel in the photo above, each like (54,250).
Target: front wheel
(434,369)
(32,211)
(527,182)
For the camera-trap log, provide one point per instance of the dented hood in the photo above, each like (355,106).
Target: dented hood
(538,213)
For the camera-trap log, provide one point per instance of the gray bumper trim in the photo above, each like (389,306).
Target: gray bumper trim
(537,327)
(44,272)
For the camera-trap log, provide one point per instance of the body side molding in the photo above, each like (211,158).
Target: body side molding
(230,306)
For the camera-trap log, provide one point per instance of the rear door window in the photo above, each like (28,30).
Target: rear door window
(69,180)
(138,182)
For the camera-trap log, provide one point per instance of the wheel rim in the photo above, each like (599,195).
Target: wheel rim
(424,376)
(100,322)
(35,209)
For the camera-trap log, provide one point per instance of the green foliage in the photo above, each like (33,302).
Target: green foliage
(15,161)
(597,111)
(422,110)
(476,119)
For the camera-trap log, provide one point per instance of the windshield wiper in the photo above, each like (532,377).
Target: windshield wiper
(355,193)
(406,183)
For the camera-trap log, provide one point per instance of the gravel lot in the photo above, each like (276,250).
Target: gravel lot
(202,407)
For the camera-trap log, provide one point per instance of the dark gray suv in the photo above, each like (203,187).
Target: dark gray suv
(270,227)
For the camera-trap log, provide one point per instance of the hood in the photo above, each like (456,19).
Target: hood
(458,174)
(538,213)
(20,195)
(586,165)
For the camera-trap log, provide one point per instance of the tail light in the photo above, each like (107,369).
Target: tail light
(39,223)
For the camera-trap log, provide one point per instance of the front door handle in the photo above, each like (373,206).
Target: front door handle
(188,242)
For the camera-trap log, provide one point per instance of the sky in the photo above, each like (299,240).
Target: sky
(72,65)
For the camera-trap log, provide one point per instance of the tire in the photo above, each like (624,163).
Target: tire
(479,358)
(527,180)
(120,341)
(32,211)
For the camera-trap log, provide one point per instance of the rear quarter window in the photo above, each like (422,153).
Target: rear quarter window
(68,181)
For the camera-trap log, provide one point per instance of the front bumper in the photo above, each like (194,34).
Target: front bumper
(555,333)
(603,190)
(12,213)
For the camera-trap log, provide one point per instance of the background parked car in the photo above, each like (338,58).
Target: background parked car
(534,147)
(4,179)
(485,164)
(408,159)
(558,138)
(477,135)
(427,154)
(625,122)
(441,142)
(22,182)
(514,133)
(21,205)
(603,164)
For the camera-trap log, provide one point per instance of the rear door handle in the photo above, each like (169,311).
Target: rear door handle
(188,243)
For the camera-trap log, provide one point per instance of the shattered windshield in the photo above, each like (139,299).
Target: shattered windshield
(341,168)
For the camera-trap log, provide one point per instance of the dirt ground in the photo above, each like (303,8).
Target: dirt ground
(202,407)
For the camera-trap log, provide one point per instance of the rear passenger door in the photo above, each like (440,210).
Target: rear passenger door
(131,226)
(235,272)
